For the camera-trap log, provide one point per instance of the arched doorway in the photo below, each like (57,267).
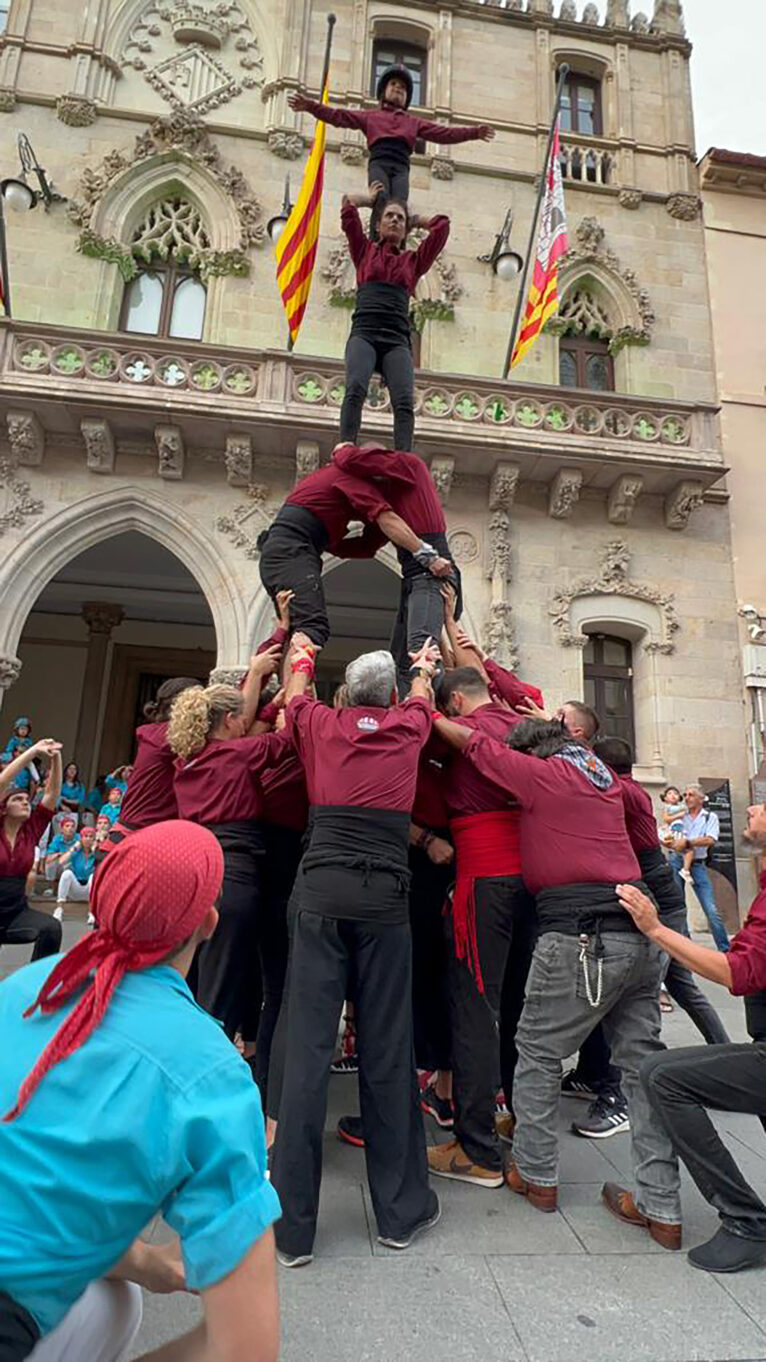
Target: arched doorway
(105,631)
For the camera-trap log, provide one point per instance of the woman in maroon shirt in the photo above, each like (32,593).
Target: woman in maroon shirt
(21,828)
(386,277)
(218,784)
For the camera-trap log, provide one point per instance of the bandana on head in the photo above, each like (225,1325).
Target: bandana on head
(148,897)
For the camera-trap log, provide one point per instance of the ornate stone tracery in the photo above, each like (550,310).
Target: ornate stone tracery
(589,258)
(194,78)
(612,580)
(16,501)
(173,230)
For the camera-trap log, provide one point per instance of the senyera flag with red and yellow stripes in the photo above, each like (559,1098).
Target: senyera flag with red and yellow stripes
(296,246)
(552,244)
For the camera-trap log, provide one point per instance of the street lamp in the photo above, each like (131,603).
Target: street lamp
(505,263)
(19,195)
(276,225)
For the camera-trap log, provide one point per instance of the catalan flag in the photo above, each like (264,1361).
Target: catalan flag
(296,246)
(552,244)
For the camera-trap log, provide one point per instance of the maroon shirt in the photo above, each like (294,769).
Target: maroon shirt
(150,796)
(222,783)
(430,807)
(747,952)
(407,483)
(571,832)
(285,798)
(393,122)
(639,816)
(467,790)
(381,262)
(508,686)
(360,757)
(336,497)
(19,859)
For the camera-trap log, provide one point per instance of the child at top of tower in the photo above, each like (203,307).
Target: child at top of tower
(391,131)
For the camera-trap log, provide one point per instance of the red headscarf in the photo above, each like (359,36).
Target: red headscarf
(148,896)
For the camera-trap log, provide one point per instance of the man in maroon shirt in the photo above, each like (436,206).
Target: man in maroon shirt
(314,520)
(409,488)
(351,929)
(491,927)
(586,967)
(681,1084)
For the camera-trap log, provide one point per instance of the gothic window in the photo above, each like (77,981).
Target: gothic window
(585,331)
(581,105)
(608,682)
(167,296)
(391,52)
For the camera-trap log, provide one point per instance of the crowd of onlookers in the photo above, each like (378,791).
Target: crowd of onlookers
(77,839)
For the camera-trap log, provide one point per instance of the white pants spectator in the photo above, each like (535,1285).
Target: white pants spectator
(70,890)
(100,1327)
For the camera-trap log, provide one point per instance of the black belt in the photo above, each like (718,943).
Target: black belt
(300,523)
(391,149)
(582,909)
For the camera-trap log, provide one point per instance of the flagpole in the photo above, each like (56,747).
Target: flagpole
(4,262)
(331,22)
(522,293)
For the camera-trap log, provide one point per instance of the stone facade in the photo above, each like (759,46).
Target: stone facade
(196,443)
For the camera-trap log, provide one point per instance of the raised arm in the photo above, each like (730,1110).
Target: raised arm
(509,687)
(514,772)
(50,799)
(351,224)
(262,664)
(327,113)
(427,251)
(450,135)
(46,747)
(711,964)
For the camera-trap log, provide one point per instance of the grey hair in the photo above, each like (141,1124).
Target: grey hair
(691,785)
(370,679)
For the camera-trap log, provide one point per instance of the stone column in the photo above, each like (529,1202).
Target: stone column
(101,618)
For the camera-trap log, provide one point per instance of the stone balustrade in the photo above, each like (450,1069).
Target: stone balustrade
(587,164)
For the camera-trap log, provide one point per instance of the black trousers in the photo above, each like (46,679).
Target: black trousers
(420,616)
(484,1024)
(394,362)
(290,562)
(332,958)
(278,870)
(227,979)
(430,1001)
(395,179)
(27,925)
(682,1085)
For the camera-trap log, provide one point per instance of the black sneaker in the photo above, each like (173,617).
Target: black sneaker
(404,1240)
(438,1107)
(572,1086)
(348,1064)
(606,1116)
(350,1130)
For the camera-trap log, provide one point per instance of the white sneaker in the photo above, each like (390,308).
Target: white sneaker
(91,920)
(58,912)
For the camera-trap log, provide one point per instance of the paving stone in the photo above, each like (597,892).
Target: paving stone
(601,1232)
(640,1307)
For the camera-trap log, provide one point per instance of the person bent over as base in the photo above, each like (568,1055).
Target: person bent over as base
(351,935)
(683,1085)
(172,1124)
(585,968)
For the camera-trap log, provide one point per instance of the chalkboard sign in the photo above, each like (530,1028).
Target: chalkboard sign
(718,801)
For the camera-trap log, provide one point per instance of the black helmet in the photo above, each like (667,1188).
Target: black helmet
(402,74)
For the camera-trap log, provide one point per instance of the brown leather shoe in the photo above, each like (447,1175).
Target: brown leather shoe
(542,1198)
(620,1202)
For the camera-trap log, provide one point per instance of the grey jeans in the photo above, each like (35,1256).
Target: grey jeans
(557,1017)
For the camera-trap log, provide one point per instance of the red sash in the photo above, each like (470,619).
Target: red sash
(486,847)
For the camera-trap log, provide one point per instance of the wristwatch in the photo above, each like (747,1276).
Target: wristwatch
(425,554)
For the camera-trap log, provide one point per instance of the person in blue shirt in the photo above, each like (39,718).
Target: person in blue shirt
(77,866)
(118,779)
(72,790)
(20,739)
(173,1125)
(59,844)
(111,809)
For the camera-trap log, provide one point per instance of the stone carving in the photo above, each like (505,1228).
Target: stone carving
(502,487)
(7,100)
(588,249)
(581,313)
(564,493)
(631,198)
(639,23)
(306,458)
(233,526)
(238,458)
(541,6)
(568,10)
(669,18)
(184,133)
(171,452)
(227,676)
(685,207)
(617,14)
(193,80)
(442,168)
(499,639)
(102,617)
(463,546)
(17,503)
(680,503)
(442,470)
(99,445)
(623,497)
(285,142)
(10,670)
(173,230)
(612,580)
(26,438)
(351,154)
(590,14)
(499,548)
(223,27)
(76,111)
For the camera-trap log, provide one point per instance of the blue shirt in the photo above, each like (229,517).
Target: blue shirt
(113,783)
(155,1112)
(703,824)
(59,844)
(112,812)
(74,793)
(82,866)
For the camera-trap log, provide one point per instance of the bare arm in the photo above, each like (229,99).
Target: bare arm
(241,1321)
(44,748)
(711,964)
(51,797)
(261,665)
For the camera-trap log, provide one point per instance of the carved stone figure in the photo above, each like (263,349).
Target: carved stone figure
(442,470)
(99,445)
(500,636)
(631,198)
(502,487)
(10,670)
(102,617)
(285,142)
(16,500)
(26,438)
(171,452)
(306,458)
(564,493)
(686,207)
(669,18)
(238,458)
(623,497)
(617,13)
(680,503)
(442,168)
(612,580)
(590,14)
(76,111)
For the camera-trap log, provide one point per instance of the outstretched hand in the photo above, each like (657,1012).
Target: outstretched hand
(487,133)
(426,658)
(263,664)
(298,103)
(640,907)
(45,747)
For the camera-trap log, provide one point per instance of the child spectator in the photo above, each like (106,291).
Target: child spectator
(77,866)
(111,809)
(62,842)
(671,825)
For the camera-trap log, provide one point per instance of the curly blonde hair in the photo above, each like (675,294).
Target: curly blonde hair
(196,712)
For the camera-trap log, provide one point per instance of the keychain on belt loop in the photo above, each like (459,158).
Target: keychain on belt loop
(583,958)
